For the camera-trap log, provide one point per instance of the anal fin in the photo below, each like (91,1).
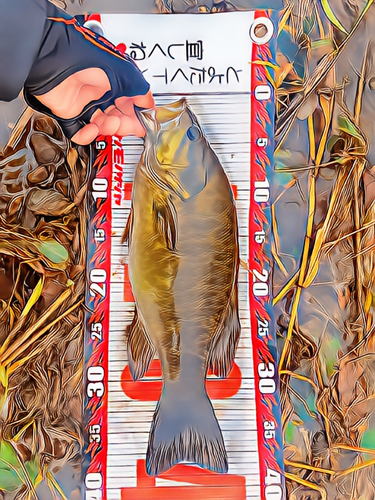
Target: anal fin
(224,342)
(140,349)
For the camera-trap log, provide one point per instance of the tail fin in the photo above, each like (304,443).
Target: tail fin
(185,431)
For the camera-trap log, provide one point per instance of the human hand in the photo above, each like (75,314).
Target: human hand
(68,99)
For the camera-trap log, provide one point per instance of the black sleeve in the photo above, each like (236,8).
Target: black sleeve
(21,30)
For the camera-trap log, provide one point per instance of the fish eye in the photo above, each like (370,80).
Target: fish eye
(193,133)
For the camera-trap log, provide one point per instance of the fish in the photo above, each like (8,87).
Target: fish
(183,258)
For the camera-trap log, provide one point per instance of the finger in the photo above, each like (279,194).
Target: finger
(144,101)
(125,104)
(131,126)
(110,125)
(98,117)
(86,135)
(112,110)
(107,124)
(129,123)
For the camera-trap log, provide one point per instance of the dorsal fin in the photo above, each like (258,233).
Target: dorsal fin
(128,229)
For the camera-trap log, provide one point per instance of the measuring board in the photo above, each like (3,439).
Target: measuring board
(220,63)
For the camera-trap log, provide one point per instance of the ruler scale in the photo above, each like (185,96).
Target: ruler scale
(238,124)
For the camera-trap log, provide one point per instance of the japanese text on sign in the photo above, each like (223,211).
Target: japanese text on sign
(194,60)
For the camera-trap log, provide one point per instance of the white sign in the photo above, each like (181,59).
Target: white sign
(192,58)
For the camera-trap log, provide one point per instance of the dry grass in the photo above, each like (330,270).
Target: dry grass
(324,286)
(42,280)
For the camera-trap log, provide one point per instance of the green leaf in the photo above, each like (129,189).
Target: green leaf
(32,469)
(329,351)
(332,141)
(9,480)
(322,42)
(8,454)
(308,24)
(368,439)
(347,126)
(54,251)
(332,16)
(289,432)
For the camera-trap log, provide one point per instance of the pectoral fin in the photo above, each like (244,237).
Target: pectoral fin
(140,349)
(224,341)
(166,220)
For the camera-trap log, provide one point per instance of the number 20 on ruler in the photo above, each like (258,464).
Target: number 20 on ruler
(99,276)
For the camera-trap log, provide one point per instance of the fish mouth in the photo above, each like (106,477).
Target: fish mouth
(160,114)
(147,119)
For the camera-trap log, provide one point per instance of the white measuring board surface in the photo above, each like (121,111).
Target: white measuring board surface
(209,61)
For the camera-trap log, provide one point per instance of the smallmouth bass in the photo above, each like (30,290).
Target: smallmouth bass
(183,267)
